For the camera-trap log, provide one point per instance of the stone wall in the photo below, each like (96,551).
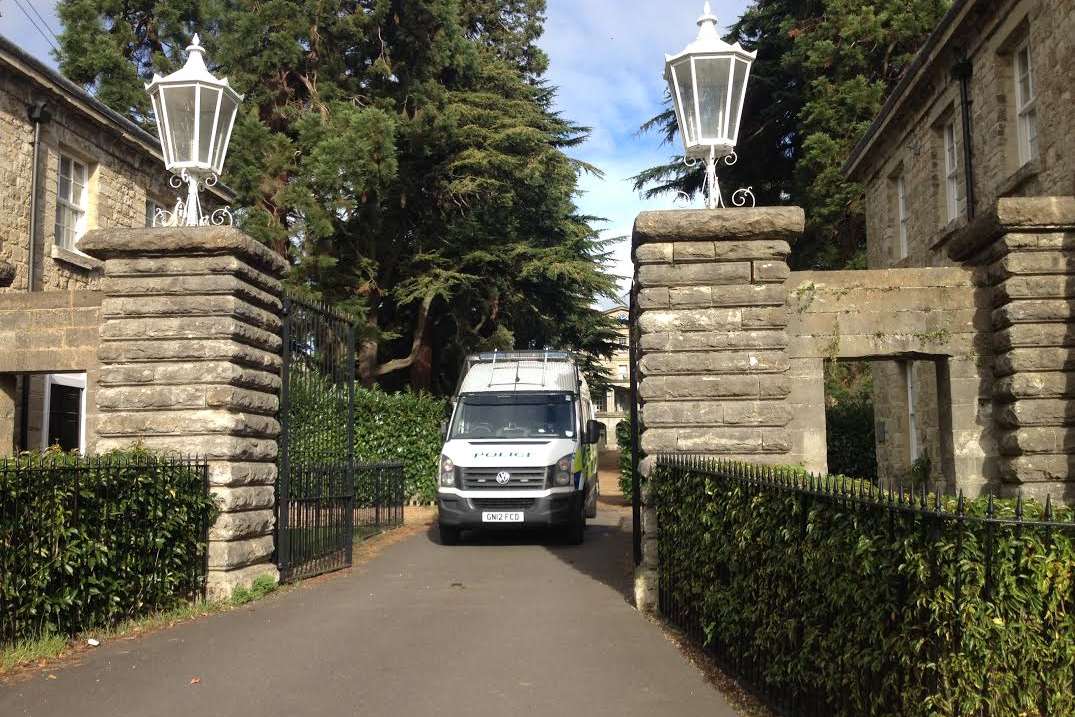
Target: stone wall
(712,346)
(123,175)
(45,332)
(190,362)
(939,320)
(1032,269)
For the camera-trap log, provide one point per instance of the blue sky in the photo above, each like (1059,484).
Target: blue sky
(606,57)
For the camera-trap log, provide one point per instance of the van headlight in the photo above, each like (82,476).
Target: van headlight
(562,472)
(447,472)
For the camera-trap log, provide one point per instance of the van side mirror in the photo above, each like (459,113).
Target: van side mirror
(443,429)
(593,431)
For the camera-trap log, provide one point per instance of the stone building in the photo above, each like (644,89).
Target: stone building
(70,165)
(612,406)
(983,112)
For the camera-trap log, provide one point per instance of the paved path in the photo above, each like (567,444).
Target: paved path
(514,625)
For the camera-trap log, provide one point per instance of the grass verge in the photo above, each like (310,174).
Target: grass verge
(42,650)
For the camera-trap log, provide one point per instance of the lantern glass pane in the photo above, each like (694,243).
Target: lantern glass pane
(207,108)
(713,75)
(161,134)
(684,82)
(739,81)
(179,106)
(223,129)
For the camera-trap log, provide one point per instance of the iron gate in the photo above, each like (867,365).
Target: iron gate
(315,479)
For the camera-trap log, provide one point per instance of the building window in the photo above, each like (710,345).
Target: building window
(601,401)
(912,419)
(151,211)
(1025,107)
(901,216)
(65,411)
(951,172)
(623,372)
(70,201)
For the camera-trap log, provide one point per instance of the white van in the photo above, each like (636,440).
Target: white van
(520,449)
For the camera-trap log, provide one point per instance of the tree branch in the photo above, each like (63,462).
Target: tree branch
(416,344)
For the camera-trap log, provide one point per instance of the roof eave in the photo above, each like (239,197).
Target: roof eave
(923,59)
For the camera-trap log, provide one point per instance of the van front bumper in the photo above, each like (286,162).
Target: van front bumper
(459,511)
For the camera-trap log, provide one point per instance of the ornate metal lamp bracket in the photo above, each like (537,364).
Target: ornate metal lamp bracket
(189,213)
(742,197)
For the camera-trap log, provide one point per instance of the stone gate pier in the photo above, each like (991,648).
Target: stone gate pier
(712,342)
(189,362)
(731,348)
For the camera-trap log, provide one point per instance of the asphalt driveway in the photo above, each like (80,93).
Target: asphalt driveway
(509,625)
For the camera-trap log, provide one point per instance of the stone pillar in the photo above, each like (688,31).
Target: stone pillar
(190,363)
(1033,272)
(8,396)
(713,361)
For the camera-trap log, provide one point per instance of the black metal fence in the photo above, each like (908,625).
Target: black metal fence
(324,497)
(315,480)
(89,541)
(832,596)
(379,497)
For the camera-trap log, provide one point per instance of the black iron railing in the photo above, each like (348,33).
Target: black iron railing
(325,499)
(315,488)
(830,596)
(378,497)
(89,541)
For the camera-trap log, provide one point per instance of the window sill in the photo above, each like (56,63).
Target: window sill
(947,231)
(1015,181)
(77,258)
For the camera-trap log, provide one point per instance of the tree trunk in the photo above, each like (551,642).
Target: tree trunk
(368,368)
(422,368)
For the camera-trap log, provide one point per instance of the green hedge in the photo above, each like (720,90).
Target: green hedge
(623,441)
(874,610)
(88,542)
(402,427)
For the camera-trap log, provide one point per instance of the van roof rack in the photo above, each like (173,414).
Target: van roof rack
(496,356)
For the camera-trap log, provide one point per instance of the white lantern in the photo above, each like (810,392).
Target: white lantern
(708,82)
(195,114)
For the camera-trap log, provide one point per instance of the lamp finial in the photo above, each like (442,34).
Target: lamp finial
(707,23)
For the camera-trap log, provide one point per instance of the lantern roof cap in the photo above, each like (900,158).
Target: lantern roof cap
(709,41)
(194,70)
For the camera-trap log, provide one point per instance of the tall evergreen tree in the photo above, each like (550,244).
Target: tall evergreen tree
(822,72)
(404,155)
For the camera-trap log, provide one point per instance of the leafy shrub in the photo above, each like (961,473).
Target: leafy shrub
(402,427)
(849,419)
(88,542)
(867,608)
(397,427)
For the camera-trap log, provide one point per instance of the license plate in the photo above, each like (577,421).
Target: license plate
(499,516)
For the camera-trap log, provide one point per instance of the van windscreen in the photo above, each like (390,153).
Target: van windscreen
(515,415)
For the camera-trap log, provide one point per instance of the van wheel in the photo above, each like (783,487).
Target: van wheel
(591,507)
(576,531)
(449,535)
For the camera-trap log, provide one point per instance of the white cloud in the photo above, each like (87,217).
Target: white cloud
(607,59)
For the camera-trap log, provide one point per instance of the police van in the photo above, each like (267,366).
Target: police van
(520,448)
